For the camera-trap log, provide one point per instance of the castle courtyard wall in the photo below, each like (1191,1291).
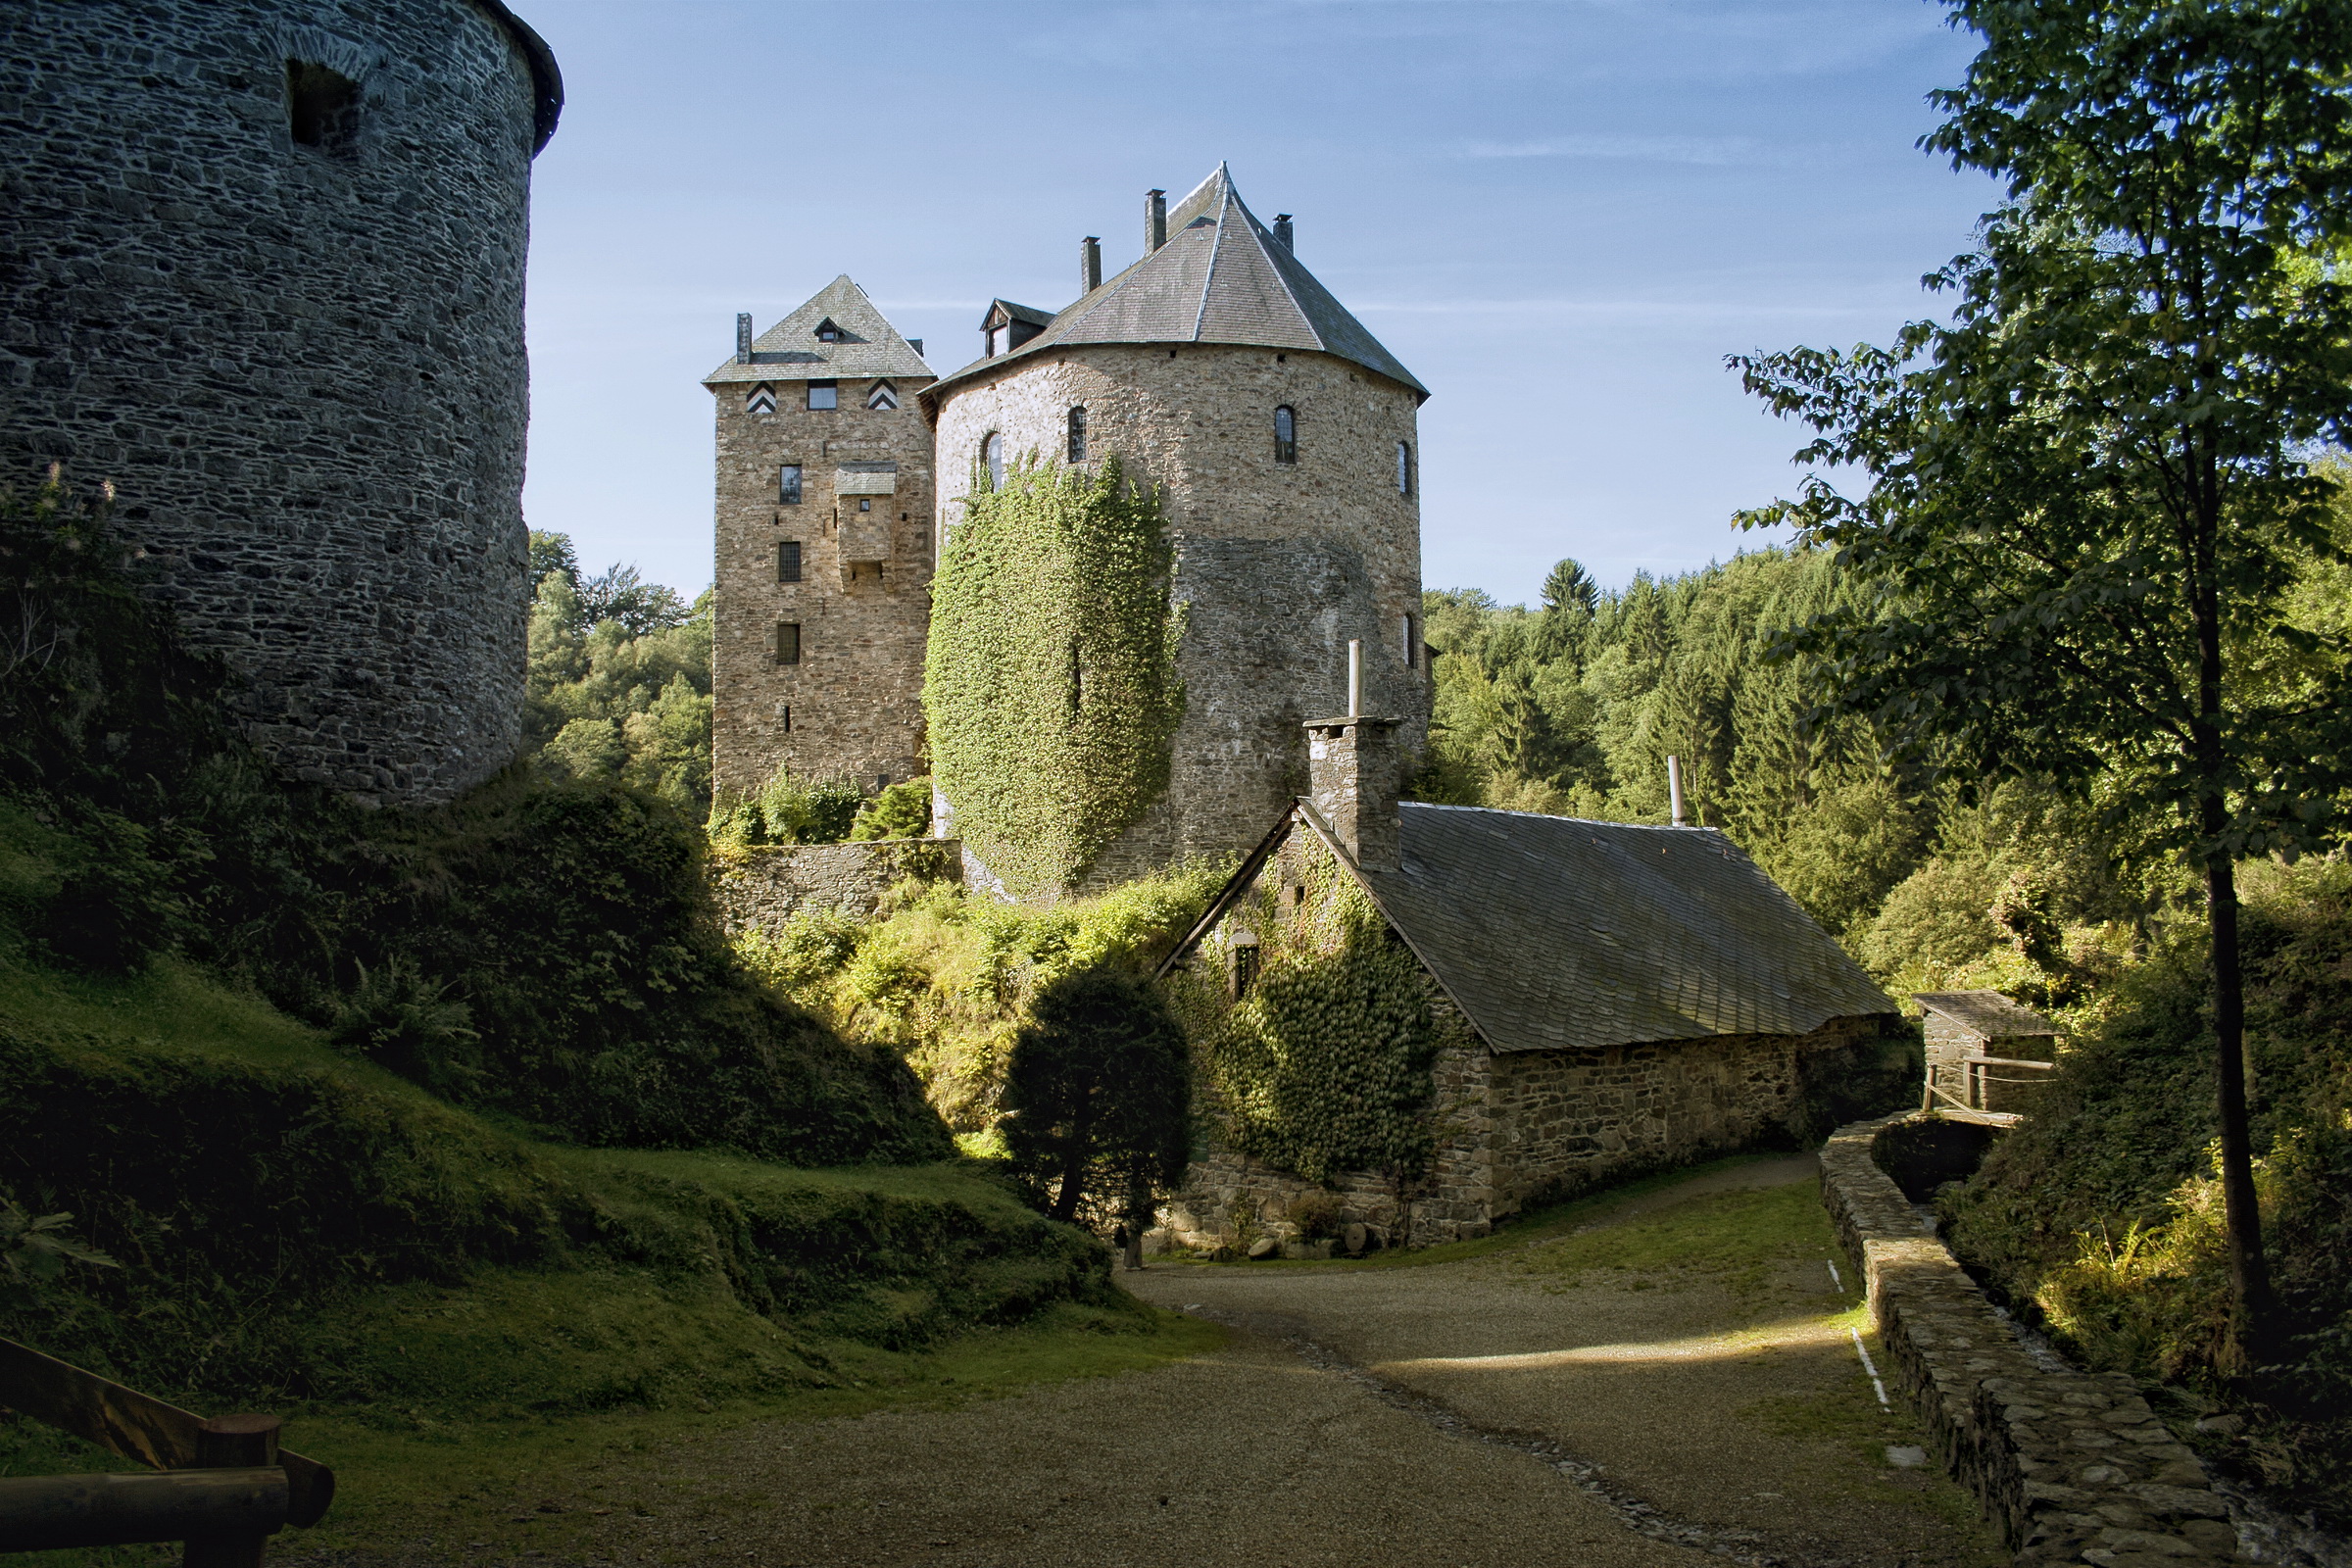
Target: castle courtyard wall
(301,366)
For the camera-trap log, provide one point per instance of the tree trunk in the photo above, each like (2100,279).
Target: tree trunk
(1073,1168)
(2250,1273)
(1139,1219)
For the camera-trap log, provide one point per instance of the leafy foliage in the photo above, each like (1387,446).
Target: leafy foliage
(947,978)
(1098,1089)
(34,1249)
(618,682)
(2090,489)
(2103,1212)
(1323,1065)
(788,810)
(902,810)
(1050,686)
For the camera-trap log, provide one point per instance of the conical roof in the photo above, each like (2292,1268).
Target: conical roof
(867,346)
(1220,279)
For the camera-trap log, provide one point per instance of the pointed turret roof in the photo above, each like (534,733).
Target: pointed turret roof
(1222,277)
(866,345)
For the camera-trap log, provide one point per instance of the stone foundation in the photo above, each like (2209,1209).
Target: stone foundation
(2072,1466)
(766,887)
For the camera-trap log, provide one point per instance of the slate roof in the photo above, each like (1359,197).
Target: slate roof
(869,347)
(1554,933)
(1222,277)
(1987,1014)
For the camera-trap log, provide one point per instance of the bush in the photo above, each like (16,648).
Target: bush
(787,811)
(900,812)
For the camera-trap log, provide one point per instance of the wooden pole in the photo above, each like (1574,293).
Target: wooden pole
(232,1441)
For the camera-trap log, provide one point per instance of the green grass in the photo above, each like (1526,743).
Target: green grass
(1738,1238)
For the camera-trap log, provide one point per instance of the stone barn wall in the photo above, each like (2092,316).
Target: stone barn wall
(285,316)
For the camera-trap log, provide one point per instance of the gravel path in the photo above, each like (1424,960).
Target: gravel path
(1472,1414)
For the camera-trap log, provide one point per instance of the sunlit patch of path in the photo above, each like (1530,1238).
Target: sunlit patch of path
(1788,1333)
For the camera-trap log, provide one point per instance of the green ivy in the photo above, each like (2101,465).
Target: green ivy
(1050,686)
(1324,1066)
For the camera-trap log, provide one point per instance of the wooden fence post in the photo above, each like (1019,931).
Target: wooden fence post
(223,1443)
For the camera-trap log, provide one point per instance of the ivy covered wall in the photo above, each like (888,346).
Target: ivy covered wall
(1323,1065)
(1050,686)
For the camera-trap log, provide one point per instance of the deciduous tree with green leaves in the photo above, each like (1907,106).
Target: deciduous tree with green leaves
(1099,1087)
(2090,487)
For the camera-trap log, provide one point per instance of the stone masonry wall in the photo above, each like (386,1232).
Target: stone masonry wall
(851,708)
(1279,565)
(301,366)
(761,888)
(2072,1467)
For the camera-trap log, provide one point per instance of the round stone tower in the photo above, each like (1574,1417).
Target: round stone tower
(262,266)
(1282,435)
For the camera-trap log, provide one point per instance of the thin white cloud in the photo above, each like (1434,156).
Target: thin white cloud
(1630,310)
(1716,151)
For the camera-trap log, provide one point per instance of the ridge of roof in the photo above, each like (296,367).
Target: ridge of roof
(870,348)
(1221,277)
(1990,1015)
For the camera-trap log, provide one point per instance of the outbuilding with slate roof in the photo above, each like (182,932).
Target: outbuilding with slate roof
(1607,997)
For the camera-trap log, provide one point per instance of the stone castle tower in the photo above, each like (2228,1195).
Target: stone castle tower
(824,501)
(262,266)
(1280,431)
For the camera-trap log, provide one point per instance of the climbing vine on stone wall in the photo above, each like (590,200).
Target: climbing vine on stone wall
(1050,686)
(1324,1066)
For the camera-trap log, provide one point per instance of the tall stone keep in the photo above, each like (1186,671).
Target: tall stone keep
(823,569)
(1283,437)
(262,266)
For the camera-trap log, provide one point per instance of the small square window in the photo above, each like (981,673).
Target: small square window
(865,505)
(788,642)
(788,560)
(788,484)
(322,107)
(824,394)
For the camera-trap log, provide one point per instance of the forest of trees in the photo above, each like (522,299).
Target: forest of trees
(1573,707)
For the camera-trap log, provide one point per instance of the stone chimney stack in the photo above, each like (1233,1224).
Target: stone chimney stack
(743,337)
(1352,776)
(1282,230)
(1090,263)
(1155,219)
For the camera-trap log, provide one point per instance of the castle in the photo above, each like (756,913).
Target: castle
(1278,431)
(262,267)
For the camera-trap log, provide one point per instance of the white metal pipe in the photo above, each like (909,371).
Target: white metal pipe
(1356,678)
(1674,786)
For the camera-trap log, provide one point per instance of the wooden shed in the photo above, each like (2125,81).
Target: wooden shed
(1987,1055)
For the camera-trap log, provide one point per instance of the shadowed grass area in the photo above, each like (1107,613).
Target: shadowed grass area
(1739,1238)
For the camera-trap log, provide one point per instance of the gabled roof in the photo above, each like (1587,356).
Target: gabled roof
(1222,277)
(1554,933)
(1987,1014)
(1001,311)
(789,351)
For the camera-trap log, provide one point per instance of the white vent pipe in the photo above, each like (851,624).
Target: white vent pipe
(1356,678)
(1674,787)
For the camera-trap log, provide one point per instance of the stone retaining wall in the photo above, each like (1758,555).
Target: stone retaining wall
(2072,1466)
(763,888)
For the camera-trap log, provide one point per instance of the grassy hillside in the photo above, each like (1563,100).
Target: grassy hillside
(2102,1214)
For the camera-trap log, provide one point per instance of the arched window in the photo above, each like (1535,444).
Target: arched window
(1285,435)
(1078,435)
(992,458)
(1404,468)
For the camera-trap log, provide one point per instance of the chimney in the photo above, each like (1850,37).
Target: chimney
(917,344)
(1674,787)
(1352,776)
(1090,263)
(1155,219)
(1282,230)
(743,337)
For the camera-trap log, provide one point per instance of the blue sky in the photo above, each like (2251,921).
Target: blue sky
(1560,213)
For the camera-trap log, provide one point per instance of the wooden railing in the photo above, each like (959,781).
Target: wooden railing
(225,1485)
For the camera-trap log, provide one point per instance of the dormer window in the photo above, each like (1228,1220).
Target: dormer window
(828,332)
(883,399)
(1285,435)
(1006,326)
(996,341)
(1078,435)
(763,400)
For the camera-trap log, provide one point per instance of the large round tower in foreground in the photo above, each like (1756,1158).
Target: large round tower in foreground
(262,266)
(1282,436)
